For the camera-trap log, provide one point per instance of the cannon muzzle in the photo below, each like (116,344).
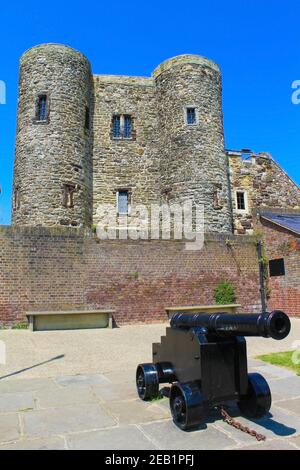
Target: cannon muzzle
(275,325)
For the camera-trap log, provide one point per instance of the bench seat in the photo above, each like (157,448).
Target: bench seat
(69,319)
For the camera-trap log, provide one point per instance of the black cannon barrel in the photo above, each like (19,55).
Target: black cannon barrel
(276,324)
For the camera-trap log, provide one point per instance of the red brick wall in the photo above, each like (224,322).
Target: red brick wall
(56,268)
(284,290)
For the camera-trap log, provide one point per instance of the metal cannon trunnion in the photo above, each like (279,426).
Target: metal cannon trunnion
(204,357)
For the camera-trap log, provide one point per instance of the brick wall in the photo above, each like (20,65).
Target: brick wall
(284,290)
(56,268)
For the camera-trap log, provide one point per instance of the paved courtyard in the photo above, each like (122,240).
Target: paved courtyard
(76,390)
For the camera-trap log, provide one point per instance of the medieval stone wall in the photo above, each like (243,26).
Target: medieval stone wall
(164,160)
(193,162)
(265,184)
(131,164)
(57,151)
(65,268)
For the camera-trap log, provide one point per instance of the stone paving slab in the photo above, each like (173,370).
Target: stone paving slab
(168,437)
(116,392)
(296,441)
(81,380)
(136,411)
(286,388)
(54,421)
(9,427)
(278,423)
(66,396)
(122,376)
(26,385)
(56,443)
(121,438)
(100,408)
(16,401)
(291,405)
(268,370)
(276,444)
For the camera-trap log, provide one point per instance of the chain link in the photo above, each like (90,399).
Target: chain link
(228,419)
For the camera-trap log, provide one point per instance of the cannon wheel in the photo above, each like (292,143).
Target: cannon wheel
(257,402)
(147,382)
(186,403)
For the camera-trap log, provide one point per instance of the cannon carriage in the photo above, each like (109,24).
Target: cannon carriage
(203,357)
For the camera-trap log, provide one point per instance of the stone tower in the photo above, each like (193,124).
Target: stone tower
(53,158)
(193,161)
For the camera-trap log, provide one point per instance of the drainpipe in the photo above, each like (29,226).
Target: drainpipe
(261,277)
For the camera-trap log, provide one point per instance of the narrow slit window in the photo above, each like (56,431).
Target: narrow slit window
(68,195)
(42,108)
(240,200)
(116,126)
(127,127)
(191,116)
(87,118)
(123,202)
(16,199)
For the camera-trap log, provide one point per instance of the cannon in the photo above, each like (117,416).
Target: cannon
(203,356)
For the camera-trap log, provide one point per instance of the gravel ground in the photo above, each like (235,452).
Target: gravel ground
(53,353)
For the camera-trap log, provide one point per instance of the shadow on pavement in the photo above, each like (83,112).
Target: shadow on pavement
(61,356)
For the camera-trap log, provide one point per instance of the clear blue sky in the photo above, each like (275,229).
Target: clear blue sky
(256,43)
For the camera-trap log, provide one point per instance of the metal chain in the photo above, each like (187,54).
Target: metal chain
(228,419)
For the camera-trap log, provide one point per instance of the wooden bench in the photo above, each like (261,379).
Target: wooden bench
(229,308)
(70,319)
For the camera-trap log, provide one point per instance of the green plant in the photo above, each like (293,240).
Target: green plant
(283,359)
(94,228)
(257,235)
(135,275)
(20,326)
(229,243)
(224,293)
(158,398)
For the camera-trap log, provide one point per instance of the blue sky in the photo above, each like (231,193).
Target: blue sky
(256,43)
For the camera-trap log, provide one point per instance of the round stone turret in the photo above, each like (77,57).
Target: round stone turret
(193,160)
(53,158)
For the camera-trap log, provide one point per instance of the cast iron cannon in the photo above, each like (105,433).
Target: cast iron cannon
(204,357)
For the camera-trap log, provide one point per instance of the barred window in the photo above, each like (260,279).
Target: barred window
(122,127)
(191,117)
(116,126)
(127,126)
(240,200)
(41,114)
(123,201)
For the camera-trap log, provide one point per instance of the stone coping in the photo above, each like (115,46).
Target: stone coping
(202,307)
(225,308)
(85,232)
(124,80)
